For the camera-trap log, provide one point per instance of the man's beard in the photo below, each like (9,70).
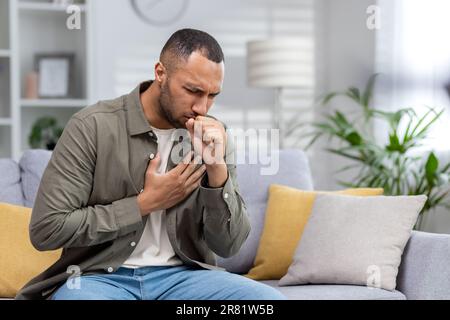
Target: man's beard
(166,105)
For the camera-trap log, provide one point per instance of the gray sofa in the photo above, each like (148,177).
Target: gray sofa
(424,272)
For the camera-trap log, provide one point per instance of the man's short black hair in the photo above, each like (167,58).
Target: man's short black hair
(184,42)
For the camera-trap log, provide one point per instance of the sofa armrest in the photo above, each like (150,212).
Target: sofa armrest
(425,269)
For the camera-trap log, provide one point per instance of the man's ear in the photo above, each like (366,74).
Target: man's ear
(160,73)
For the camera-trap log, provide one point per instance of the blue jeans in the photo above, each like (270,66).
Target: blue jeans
(166,283)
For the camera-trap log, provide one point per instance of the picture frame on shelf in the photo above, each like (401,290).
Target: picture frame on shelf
(55,75)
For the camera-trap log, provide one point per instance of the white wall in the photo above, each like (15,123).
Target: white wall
(348,59)
(126,49)
(123,43)
(414,59)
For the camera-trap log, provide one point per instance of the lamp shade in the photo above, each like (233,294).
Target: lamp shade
(281,63)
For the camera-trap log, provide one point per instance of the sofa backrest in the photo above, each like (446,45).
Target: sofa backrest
(293,171)
(32,166)
(21,183)
(10,182)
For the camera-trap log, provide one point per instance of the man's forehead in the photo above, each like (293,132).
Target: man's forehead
(192,80)
(203,87)
(201,72)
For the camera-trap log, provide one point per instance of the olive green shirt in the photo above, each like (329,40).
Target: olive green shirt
(87,199)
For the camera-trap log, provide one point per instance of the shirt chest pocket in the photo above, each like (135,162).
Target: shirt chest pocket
(121,168)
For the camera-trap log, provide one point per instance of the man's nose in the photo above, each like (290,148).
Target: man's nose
(201,106)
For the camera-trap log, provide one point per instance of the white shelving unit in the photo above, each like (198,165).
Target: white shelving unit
(28,28)
(5,121)
(4,53)
(54,103)
(45,6)
(5,82)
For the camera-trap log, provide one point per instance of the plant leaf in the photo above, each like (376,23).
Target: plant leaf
(431,167)
(368,92)
(344,154)
(354,138)
(423,131)
(353,93)
(329,97)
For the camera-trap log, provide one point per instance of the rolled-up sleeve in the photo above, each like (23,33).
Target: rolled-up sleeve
(61,217)
(225,222)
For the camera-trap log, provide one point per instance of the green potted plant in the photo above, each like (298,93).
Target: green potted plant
(45,134)
(397,165)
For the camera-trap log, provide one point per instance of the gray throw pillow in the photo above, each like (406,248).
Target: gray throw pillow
(354,240)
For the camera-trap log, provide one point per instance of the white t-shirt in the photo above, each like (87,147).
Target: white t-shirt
(154,247)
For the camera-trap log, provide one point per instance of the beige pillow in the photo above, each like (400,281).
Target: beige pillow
(20,261)
(288,210)
(354,240)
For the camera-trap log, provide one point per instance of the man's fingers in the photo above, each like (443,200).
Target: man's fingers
(213,135)
(205,119)
(206,129)
(179,169)
(190,126)
(191,167)
(193,186)
(196,175)
(207,133)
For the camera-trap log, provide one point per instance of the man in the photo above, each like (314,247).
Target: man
(139,217)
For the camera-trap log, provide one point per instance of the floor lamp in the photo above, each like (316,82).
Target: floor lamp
(280,63)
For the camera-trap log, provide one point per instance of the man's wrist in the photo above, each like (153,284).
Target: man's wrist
(143,206)
(217,175)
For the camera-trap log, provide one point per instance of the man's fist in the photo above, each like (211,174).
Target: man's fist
(209,139)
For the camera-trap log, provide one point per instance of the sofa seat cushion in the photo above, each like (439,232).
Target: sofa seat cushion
(335,292)
(19,260)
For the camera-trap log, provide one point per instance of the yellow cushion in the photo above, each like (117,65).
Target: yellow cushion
(287,212)
(20,261)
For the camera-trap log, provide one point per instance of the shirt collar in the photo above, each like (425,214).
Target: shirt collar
(137,122)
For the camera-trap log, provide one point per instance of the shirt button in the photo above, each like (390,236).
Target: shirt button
(133,244)
(226,196)
(152,156)
(110,269)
